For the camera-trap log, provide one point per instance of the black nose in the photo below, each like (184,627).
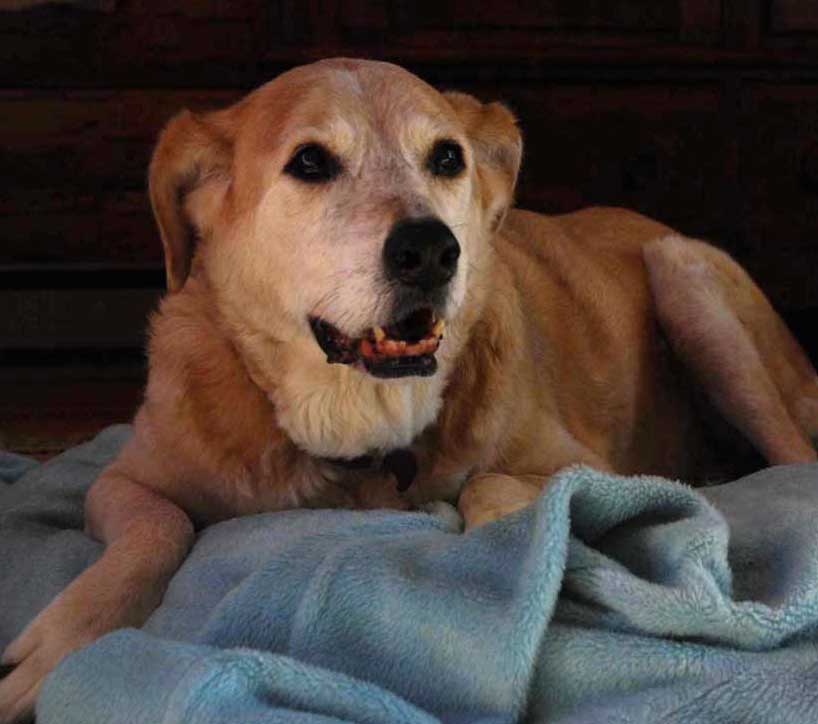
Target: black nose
(421,253)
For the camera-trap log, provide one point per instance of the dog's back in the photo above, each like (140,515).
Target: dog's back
(597,380)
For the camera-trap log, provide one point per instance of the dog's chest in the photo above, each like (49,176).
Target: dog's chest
(340,413)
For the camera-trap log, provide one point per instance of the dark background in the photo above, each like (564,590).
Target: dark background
(700,113)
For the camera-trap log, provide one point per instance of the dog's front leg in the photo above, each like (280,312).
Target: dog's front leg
(491,496)
(147,537)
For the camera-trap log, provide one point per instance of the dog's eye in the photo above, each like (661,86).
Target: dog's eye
(313,163)
(446,159)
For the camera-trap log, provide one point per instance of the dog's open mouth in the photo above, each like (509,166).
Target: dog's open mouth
(403,349)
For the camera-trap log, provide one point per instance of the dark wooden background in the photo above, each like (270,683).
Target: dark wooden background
(700,113)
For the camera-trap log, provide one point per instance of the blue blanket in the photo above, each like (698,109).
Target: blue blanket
(610,599)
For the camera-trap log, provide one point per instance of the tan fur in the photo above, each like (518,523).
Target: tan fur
(570,339)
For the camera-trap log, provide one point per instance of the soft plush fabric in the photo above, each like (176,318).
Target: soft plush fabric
(610,599)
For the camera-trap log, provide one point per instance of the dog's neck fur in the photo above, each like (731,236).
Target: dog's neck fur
(312,399)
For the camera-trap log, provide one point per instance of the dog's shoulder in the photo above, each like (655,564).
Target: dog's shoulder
(594,227)
(199,393)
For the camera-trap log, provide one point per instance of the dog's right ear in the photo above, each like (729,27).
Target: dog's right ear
(498,148)
(194,153)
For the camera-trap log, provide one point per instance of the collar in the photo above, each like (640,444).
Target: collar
(402,463)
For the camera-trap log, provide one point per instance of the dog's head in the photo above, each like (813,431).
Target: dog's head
(345,201)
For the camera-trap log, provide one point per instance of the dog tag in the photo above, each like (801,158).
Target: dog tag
(403,465)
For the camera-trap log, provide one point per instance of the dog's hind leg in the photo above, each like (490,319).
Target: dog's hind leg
(739,350)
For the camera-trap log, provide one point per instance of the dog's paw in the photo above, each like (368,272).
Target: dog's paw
(33,654)
(94,604)
(445,511)
(489,497)
(32,658)
(17,697)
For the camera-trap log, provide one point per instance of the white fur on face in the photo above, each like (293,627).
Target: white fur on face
(329,237)
(316,249)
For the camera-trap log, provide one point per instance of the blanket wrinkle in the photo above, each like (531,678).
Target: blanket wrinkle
(610,598)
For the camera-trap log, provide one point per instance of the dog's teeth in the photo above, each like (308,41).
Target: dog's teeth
(390,347)
(380,335)
(440,325)
(402,346)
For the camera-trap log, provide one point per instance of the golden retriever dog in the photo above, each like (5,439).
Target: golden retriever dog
(357,317)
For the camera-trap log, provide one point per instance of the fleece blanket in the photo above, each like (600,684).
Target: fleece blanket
(609,599)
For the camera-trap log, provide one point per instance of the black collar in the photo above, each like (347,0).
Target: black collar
(402,463)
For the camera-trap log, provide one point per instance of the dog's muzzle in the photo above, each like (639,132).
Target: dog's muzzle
(420,258)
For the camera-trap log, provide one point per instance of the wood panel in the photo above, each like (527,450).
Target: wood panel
(79,162)
(529,15)
(88,138)
(531,31)
(206,43)
(70,227)
(779,168)
(50,319)
(45,409)
(199,42)
(793,16)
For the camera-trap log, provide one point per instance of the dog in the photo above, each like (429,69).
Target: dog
(357,317)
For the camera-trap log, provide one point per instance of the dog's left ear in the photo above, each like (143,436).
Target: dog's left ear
(498,148)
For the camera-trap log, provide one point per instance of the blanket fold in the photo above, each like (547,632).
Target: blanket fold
(609,599)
